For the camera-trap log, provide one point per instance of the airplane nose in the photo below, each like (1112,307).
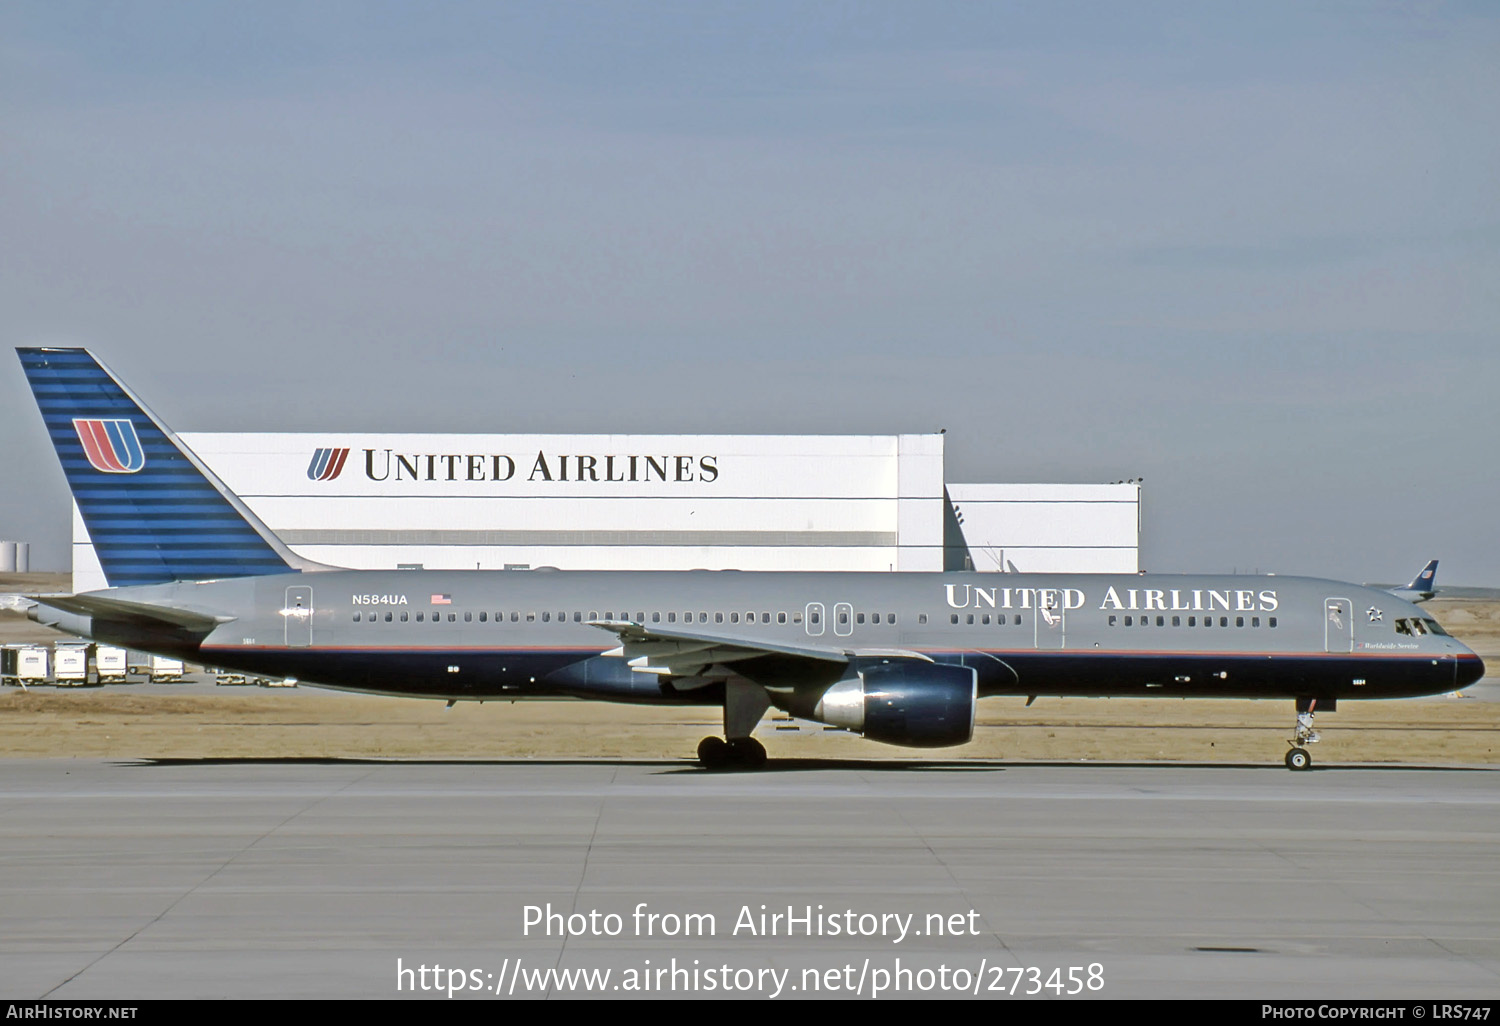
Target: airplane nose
(1470,668)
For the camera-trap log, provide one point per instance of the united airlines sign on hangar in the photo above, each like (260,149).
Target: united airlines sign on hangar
(669,502)
(387,464)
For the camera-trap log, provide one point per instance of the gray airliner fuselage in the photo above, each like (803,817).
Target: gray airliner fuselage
(523,634)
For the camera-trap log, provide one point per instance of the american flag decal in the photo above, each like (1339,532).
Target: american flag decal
(442,600)
(111,445)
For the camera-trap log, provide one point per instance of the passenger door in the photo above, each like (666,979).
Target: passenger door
(1338,625)
(297,614)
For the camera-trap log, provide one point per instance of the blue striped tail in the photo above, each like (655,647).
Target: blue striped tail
(155,513)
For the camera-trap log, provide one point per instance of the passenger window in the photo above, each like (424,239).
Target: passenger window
(1176,621)
(515,616)
(388,617)
(1255,621)
(1161,621)
(531,617)
(656,618)
(892,619)
(546,617)
(419,618)
(1223,621)
(985,619)
(734,617)
(816,618)
(483,617)
(452,617)
(578,616)
(356,618)
(703,618)
(921,618)
(765,617)
(1192,621)
(781,618)
(1271,621)
(971,618)
(468,618)
(1130,621)
(403,617)
(952,618)
(1239,621)
(859,617)
(671,618)
(1111,620)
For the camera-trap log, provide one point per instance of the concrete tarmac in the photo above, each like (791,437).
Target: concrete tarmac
(246,879)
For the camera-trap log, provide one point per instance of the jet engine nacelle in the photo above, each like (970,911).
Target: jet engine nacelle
(921,705)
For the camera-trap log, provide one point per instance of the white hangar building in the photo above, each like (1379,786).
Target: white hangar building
(654,502)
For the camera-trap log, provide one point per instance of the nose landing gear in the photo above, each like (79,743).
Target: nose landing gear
(1298,758)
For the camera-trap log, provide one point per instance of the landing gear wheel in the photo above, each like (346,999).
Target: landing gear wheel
(713,753)
(742,753)
(1298,759)
(747,752)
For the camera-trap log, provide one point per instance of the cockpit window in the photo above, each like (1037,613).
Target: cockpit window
(1403,626)
(1435,627)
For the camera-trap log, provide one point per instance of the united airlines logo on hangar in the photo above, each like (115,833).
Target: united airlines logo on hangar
(326,464)
(604,468)
(112,446)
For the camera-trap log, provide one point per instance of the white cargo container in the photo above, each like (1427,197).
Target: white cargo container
(111,664)
(70,666)
(165,671)
(23,665)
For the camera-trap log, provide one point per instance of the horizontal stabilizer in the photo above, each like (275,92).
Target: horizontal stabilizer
(143,613)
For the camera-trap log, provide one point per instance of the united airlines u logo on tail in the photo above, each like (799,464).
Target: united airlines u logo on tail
(111,445)
(327,464)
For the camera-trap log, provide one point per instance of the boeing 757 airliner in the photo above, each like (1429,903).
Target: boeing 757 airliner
(901,658)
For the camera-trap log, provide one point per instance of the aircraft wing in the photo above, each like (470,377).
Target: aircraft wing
(686,653)
(142,613)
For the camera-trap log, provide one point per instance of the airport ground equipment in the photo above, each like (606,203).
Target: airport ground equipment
(165,670)
(111,664)
(70,664)
(23,665)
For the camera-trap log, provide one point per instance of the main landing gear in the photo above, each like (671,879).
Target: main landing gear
(744,705)
(1298,758)
(737,753)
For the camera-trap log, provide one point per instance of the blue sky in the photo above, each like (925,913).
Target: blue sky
(1249,252)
